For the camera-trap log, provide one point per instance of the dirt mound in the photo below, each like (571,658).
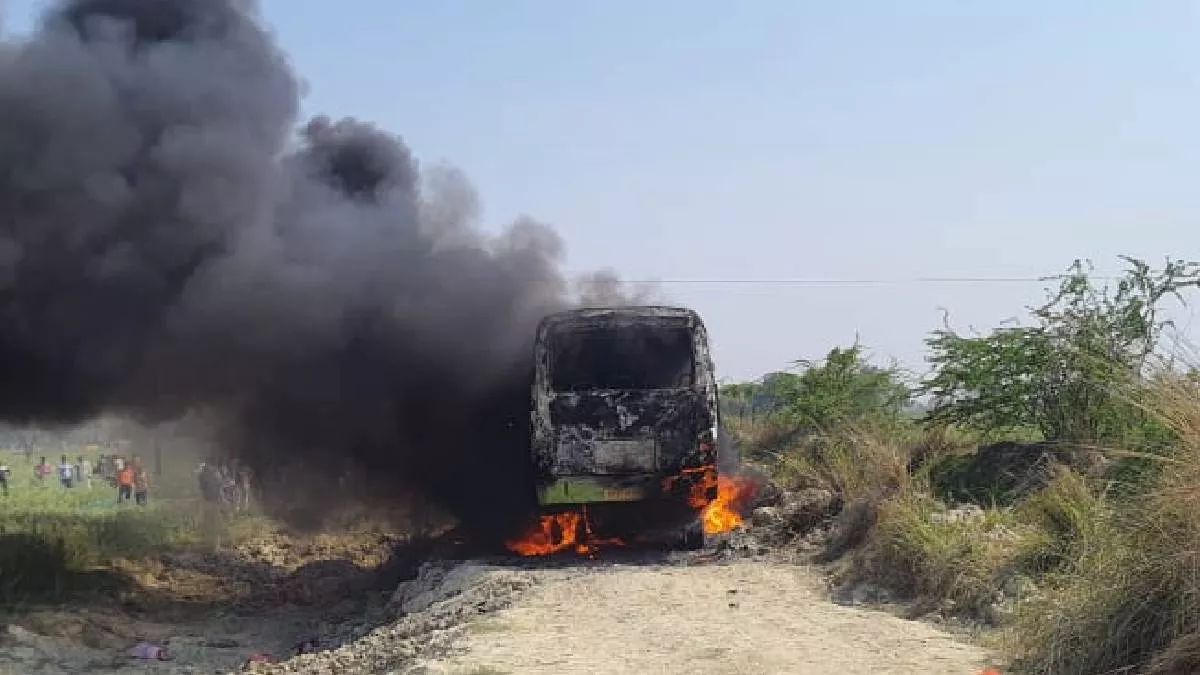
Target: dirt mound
(281,551)
(429,608)
(795,514)
(1003,473)
(213,609)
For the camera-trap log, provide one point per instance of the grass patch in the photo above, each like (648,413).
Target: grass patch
(902,536)
(854,462)
(55,540)
(49,553)
(1126,598)
(1071,513)
(943,559)
(1129,599)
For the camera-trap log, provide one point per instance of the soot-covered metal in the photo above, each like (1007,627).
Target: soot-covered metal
(623,399)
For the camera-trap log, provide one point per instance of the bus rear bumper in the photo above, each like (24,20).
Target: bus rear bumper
(599,489)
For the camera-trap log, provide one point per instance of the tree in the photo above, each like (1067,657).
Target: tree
(1068,375)
(842,388)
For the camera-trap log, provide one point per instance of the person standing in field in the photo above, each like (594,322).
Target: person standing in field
(210,489)
(141,483)
(125,481)
(84,472)
(209,481)
(244,479)
(108,469)
(5,473)
(42,470)
(66,473)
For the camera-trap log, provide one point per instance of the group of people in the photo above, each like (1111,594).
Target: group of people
(69,473)
(130,478)
(225,484)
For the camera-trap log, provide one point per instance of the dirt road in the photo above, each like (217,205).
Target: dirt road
(747,617)
(628,613)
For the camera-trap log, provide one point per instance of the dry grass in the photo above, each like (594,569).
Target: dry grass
(854,462)
(864,467)
(1116,560)
(1129,600)
(954,564)
(901,537)
(1116,563)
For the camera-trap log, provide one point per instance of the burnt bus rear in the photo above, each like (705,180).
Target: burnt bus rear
(625,411)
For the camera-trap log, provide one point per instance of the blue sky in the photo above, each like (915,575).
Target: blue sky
(786,140)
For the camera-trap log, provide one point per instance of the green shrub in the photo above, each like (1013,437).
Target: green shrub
(1069,374)
(843,388)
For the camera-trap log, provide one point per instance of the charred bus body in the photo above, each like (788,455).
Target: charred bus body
(625,418)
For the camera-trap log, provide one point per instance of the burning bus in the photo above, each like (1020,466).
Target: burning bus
(624,423)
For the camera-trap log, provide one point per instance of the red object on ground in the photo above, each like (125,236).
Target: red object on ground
(258,658)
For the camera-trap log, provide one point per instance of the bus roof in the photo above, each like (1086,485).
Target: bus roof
(587,315)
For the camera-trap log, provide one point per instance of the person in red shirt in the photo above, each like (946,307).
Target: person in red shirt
(42,470)
(125,480)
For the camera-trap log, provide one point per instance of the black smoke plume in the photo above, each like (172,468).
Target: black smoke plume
(169,243)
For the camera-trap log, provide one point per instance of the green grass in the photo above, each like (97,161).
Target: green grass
(53,540)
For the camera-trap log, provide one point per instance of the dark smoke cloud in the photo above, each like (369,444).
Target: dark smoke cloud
(167,243)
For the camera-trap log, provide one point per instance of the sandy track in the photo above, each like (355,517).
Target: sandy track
(745,617)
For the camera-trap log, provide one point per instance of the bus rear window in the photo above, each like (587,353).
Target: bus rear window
(622,357)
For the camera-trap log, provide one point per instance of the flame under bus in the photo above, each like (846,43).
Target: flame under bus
(624,408)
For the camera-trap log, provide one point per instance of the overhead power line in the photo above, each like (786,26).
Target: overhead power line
(853,282)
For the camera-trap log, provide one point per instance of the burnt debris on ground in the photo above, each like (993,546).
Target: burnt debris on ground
(213,610)
(363,602)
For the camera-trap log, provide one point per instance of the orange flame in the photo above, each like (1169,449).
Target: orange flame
(560,532)
(572,530)
(724,514)
(552,534)
(720,513)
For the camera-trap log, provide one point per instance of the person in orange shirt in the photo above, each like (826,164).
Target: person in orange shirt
(125,480)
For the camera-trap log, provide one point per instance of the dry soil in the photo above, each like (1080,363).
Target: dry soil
(742,617)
